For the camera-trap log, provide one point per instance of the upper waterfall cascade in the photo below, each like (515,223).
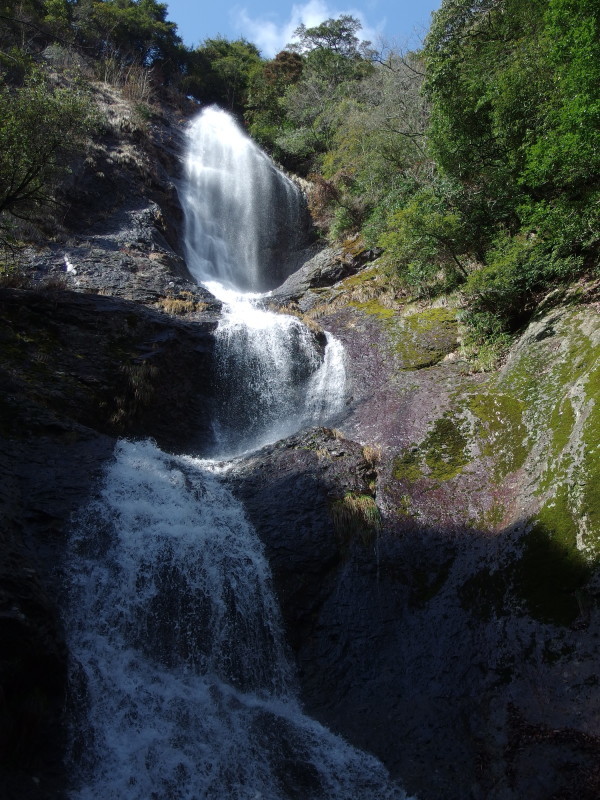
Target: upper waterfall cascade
(274,375)
(243,216)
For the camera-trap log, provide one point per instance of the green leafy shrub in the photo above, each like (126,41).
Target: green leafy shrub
(41,128)
(424,244)
(518,269)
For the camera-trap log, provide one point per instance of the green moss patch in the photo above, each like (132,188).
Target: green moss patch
(418,340)
(552,569)
(441,456)
(365,276)
(374,309)
(424,339)
(590,467)
(445,449)
(407,467)
(549,576)
(491,518)
(500,430)
(562,421)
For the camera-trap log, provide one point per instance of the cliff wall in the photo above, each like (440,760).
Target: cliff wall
(434,554)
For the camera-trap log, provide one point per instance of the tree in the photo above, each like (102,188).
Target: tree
(41,128)
(337,35)
(425,243)
(130,32)
(514,88)
(332,50)
(30,24)
(566,151)
(221,71)
(378,150)
(265,109)
(333,63)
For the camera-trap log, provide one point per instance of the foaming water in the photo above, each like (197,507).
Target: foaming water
(178,652)
(274,375)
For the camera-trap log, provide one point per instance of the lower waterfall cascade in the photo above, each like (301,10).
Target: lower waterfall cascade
(186,688)
(182,687)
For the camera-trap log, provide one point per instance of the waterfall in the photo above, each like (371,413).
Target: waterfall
(275,375)
(181,684)
(187,690)
(243,217)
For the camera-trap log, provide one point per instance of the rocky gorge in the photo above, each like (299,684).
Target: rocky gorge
(434,553)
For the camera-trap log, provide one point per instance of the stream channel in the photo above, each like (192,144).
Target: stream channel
(181,681)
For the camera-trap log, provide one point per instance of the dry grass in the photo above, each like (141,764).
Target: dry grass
(139,392)
(355,515)
(181,305)
(370,285)
(134,80)
(323,453)
(53,283)
(306,319)
(13,278)
(372,455)
(333,433)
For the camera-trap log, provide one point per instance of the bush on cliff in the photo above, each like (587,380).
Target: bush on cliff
(42,127)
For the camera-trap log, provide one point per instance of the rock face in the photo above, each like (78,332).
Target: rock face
(107,364)
(121,235)
(320,267)
(311,497)
(458,641)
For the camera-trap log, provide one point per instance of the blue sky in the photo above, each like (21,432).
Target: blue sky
(269,24)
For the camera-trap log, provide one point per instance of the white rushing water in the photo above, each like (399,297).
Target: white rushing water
(181,684)
(242,215)
(185,688)
(275,375)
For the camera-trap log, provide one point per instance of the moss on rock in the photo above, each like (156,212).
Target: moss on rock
(500,431)
(441,456)
(425,338)
(551,572)
(407,466)
(374,308)
(446,448)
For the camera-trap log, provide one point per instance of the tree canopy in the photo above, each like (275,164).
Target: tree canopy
(474,162)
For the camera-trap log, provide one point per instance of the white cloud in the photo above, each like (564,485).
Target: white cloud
(271,37)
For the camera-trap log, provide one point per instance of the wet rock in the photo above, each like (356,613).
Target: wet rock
(324,267)
(76,370)
(458,640)
(290,491)
(435,560)
(43,481)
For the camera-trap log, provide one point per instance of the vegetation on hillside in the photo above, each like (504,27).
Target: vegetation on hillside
(474,162)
